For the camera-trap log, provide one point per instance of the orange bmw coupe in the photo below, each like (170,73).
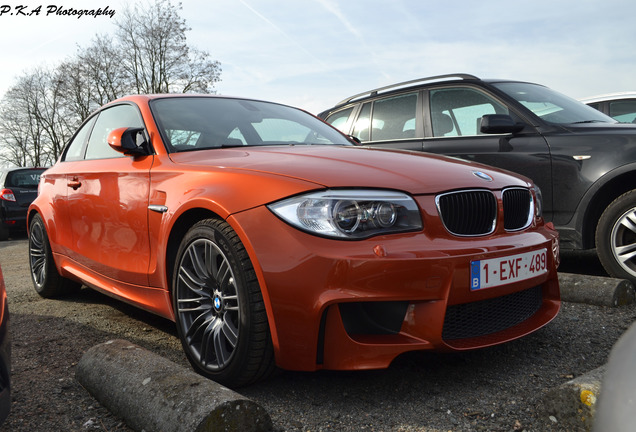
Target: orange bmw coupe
(273,241)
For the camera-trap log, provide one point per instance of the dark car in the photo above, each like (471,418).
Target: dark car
(620,106)
(18,189)
(583,161)
(5,354)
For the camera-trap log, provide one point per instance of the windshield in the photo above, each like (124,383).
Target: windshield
(195,123)
(551,106)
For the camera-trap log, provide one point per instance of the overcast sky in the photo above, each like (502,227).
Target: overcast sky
(313,53)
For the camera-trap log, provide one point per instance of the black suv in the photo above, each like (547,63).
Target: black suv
(18,188)
(583,161)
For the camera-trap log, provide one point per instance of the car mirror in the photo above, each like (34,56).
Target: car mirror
(124,140)
(499,124)
(354,140)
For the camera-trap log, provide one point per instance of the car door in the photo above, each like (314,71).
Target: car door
(107,203)
(452,118)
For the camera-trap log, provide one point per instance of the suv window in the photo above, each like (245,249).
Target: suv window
(623,111)
(458,111)
(394,117)
(361,128)
(340,119)
(109,120)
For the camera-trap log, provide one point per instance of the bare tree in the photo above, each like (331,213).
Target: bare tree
(93,78)
(147,54)
(31,127)
(157,57)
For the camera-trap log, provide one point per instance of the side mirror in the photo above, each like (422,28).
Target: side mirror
(124,140)
(354,140)
(499,124)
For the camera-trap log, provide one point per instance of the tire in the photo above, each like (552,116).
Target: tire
(46,280)
(4,232)
(219,309)
(616,237)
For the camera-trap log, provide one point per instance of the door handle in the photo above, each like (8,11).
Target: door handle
(75,184)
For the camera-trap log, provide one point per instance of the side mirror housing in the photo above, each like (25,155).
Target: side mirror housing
(354,140)
(124,140)
(499,124)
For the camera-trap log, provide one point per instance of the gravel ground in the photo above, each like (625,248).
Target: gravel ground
(495,389)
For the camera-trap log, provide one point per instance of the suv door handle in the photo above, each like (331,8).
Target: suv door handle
(75,183)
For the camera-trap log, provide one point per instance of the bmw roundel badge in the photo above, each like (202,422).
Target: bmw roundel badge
(482,175)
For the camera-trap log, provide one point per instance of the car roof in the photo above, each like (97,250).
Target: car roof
(406,84)
(413,83)
(609,97)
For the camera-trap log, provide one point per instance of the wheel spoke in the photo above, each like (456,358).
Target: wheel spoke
(626,252)
(199,325)
(192,283)
(198,263)
(628,221)
(220,347)
(230,331)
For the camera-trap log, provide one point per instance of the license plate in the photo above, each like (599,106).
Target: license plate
(509,269)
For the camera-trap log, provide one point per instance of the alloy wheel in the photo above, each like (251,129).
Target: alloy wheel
(208,304)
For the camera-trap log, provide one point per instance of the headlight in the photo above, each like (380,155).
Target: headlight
(538,202)
(352,214)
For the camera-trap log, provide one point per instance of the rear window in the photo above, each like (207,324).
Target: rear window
(28,178)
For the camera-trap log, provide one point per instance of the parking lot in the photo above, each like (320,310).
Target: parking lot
(495,389)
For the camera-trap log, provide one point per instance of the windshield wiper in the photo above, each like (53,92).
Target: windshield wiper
(590,121)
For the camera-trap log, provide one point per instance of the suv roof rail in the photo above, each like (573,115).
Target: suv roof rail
(392,86)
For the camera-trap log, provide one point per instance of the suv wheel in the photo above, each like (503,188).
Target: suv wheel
(616,237)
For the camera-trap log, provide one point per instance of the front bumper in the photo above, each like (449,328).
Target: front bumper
(359,304)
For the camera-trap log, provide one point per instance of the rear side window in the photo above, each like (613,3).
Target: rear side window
(623,111)
(28,179)
(361,128)
(340,120)
(394,117)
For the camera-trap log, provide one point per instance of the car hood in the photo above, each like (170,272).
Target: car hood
(344,166)
(612,128)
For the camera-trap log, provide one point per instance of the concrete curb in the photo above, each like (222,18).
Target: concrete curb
(616,405)
(151,393)
(572,405)
(596,290)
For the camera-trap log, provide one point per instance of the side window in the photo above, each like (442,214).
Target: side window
(340,120)
(623,111)
(109,120)
(75,149)
(361,128)
(458,111)
(394,117)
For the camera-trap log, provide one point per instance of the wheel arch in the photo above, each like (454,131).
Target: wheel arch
(181,226)
(603,193)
